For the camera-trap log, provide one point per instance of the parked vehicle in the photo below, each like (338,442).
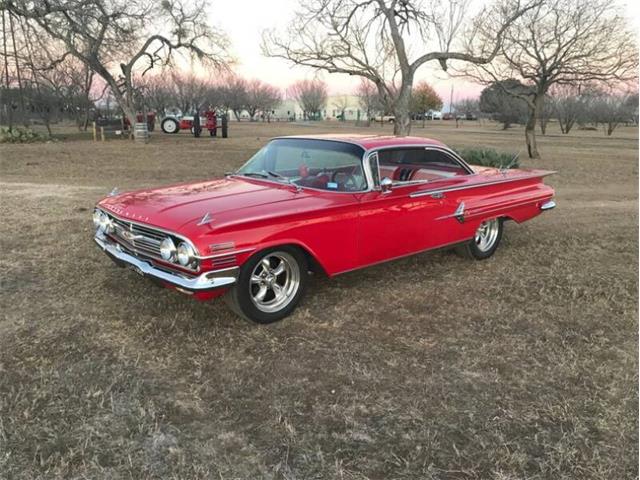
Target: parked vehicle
(327,204)
(435,116)
(447,116)
(385,119)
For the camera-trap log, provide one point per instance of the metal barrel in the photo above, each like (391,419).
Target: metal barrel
(141,132)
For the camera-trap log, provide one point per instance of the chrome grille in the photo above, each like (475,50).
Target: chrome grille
(142,240)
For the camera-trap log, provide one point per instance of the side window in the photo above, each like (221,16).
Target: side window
(396,163)
(439,160)
(409,165)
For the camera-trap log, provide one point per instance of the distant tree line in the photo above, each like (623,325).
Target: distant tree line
(570,105)
(538,43)
(187,93)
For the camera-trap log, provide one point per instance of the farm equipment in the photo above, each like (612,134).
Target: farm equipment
(174,124)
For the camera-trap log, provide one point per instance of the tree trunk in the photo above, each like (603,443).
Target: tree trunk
(530,128)
(568,126)
(543,126)
(402,123)
(530,136)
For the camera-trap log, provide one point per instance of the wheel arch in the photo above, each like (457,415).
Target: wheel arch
(313,262)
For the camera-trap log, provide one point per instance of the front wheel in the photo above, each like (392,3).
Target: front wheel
(485,241)
(270,285)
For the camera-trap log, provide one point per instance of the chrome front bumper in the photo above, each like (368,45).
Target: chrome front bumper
(206,281)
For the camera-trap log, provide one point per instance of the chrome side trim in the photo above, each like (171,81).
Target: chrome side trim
(226,253)
(548,205)
(422,193)
(458,214)
(205,281)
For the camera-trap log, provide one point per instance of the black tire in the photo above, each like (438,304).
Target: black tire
(239,298)
(170,125)
(472,249)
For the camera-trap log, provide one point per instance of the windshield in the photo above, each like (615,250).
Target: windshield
(321,164)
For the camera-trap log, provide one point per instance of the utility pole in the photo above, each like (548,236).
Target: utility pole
(451,100)
(6,71)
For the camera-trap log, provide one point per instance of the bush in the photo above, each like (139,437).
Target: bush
(21,135)
(488,157)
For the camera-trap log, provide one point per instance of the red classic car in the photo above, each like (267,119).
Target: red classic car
(329,204)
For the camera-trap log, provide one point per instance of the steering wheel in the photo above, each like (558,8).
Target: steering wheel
(348,180)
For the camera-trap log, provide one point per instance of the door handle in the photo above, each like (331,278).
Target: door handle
(437,195)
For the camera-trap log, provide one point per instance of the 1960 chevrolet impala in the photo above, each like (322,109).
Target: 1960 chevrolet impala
(320,203)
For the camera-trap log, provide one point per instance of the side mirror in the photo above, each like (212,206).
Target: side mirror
(386,184)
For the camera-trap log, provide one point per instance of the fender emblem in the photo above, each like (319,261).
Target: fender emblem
(205,219)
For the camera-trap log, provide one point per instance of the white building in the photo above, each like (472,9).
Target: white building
(336,104)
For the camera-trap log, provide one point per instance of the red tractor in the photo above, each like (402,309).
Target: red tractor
(175,124)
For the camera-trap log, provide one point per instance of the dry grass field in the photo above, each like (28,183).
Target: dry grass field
(431,367)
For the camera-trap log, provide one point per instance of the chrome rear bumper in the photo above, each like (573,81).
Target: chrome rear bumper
(206,281)
(548,205)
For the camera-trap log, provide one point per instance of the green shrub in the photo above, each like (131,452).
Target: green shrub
(21,135)
(488,157)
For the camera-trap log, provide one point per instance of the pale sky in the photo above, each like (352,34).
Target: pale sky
(244,21)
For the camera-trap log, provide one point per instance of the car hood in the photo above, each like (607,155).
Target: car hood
(179,208)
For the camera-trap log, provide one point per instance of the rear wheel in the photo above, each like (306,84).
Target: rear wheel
(485,241)
(270,285)
(170,125)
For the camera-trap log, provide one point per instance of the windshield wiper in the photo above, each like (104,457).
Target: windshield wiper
(286,180)
(254,174)
(277,175)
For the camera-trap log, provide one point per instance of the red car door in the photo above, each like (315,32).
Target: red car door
(394,224)
(408,218)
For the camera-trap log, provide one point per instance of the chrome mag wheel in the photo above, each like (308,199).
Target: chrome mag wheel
(487,234)
(274,281)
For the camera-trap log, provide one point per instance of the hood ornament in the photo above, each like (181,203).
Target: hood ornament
(114,192)
(207,218)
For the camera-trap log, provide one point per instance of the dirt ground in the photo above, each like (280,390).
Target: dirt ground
(431,367)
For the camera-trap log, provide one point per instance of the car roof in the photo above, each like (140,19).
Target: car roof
(369,142)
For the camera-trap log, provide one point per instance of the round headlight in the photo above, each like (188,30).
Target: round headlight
(168,249)
(185,254)
(97,218)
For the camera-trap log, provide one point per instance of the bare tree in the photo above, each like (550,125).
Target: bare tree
(340,103)
(311,95)
(119,38)
(159,92)
(189,91)
(467,106)
(568,106)
(612,110)
(561,42)
(374,39)
(545,114)
(262,97)
(368,98)
(235,92)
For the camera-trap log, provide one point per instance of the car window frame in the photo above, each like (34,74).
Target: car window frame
(401,184)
